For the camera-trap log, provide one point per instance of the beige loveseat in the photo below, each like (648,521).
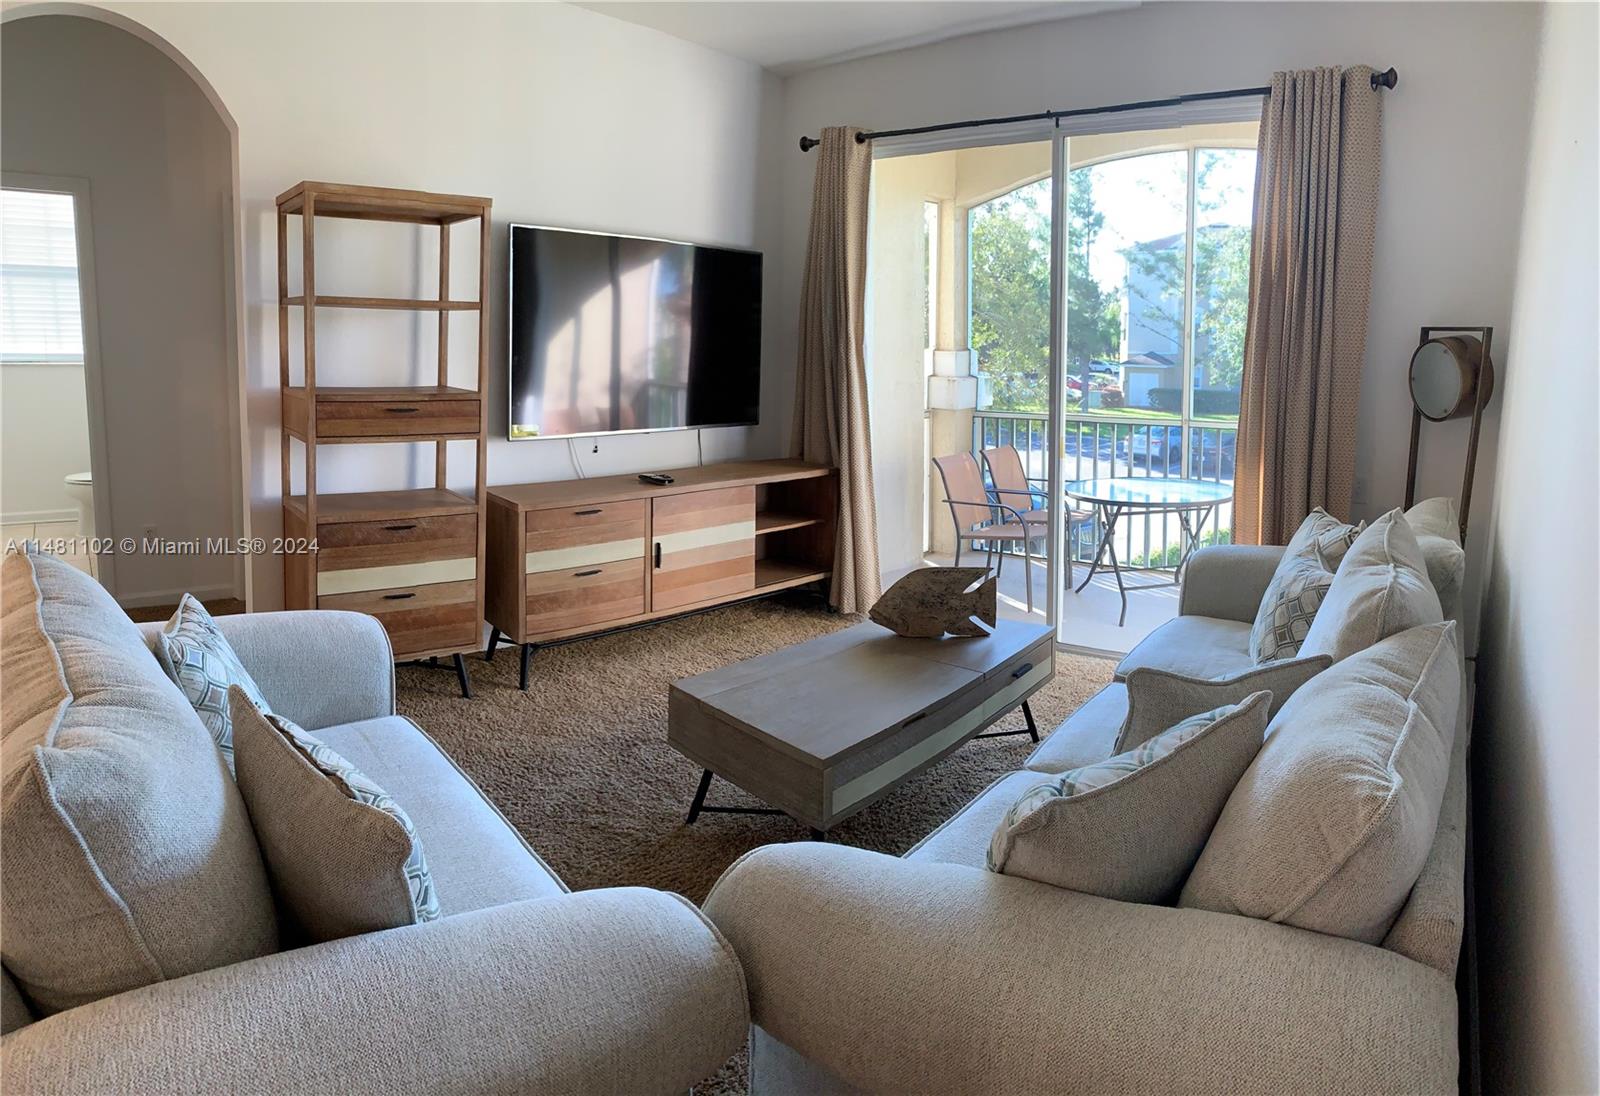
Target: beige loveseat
(930,974)
(520,986)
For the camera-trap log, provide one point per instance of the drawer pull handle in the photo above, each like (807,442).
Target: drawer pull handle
(398,528)
(586,574)
(402,410)
(398,597)
(586,513)
(658,555)
(1021,670)
(913,719)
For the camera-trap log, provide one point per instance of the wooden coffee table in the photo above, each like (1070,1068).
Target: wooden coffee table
(825,728)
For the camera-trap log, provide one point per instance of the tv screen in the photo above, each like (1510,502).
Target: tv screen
(620,333)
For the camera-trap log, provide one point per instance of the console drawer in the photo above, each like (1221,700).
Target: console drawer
(559,601)
(395,418)
(578,537)
(427,617)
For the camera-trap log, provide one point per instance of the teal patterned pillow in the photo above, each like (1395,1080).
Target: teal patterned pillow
(199,658)
(1132,826)
(344,857)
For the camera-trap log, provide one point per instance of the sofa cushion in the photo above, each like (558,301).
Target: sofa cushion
(199,659)
(1330,826)
(344,857)
(1132,826)
(129,857)
(964,837)
(1381,588)
(1437,523)
(1088,735)
(1157,698)
(1194,646)
(1299,585)
(477,859)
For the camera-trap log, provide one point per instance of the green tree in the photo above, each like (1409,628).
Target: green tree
(1094,314)
(1009,245)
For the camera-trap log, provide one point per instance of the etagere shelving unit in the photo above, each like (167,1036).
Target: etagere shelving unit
(413,558)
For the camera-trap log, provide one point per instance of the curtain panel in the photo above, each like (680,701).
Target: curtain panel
(830,399)
(1316,202)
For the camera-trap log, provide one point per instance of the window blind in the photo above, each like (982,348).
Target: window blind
(39,310)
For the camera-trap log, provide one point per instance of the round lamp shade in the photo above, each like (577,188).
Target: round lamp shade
(1445,374)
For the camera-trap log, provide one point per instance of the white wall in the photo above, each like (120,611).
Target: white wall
(1535,742)
(90,101)
(44,437)
(1447,222)
(560,115)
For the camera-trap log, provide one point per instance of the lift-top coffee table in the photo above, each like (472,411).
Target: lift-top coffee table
(825,728)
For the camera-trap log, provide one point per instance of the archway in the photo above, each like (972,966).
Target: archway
(94,97)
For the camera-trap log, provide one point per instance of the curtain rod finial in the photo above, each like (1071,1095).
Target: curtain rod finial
(1386,79)
(808,143)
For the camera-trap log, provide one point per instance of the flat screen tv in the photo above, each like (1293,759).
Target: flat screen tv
(614,334)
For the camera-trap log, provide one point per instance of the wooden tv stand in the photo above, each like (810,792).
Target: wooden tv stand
(575,558)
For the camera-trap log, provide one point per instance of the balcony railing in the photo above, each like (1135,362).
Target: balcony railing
(1094,447)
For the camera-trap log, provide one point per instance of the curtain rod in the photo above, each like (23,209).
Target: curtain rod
(1386,79)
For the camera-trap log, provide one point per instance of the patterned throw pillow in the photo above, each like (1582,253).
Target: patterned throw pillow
(1299,585)
(1132,826)
(344,857)
(199,658)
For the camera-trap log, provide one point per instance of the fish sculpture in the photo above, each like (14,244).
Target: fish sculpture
(933,601)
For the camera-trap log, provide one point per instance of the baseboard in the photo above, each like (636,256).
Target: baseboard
(36,517)
(172,597)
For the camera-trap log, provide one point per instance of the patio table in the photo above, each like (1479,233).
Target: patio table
(1115,496)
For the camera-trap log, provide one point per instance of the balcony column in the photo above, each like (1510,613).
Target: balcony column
(952,399)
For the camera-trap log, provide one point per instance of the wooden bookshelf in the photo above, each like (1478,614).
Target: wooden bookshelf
(412,558)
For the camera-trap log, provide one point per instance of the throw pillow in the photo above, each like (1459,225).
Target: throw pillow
(1131,827)
(1299,585)
(1380,589)
(198,657)
(1330,827)
(1437,523)
(129,857)
(1159,698)
(343,856)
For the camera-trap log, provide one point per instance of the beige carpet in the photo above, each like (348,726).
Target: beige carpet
(580,763)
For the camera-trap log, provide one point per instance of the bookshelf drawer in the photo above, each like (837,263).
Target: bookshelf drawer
(395,418)
(426,617)
(355,545)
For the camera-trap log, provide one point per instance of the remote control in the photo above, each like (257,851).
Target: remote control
(660,479)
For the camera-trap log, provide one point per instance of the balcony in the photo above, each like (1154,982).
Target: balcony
(1149,545)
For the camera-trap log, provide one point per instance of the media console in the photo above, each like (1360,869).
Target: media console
(578,557)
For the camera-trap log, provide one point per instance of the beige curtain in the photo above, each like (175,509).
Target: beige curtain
(830,393)
(1310,287)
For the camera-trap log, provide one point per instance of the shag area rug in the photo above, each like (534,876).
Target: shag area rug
(580,763)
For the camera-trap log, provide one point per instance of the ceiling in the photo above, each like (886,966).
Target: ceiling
(789,36)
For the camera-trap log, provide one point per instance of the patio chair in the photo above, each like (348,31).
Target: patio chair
(979,517)
(1012,485)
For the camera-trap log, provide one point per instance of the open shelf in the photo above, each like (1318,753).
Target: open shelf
(769,521)
(374,203)
(421,502)
(398,304)
(777,574)
(400,394)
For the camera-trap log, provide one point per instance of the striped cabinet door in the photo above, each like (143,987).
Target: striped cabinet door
(704,546)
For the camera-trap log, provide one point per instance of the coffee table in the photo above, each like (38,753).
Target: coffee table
(825,728)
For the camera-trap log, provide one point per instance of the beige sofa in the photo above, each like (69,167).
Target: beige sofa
(930,974)
(520,987)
